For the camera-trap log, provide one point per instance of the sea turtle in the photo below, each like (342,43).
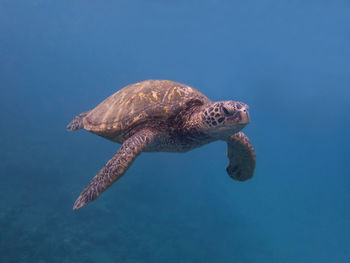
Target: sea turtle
(164,116)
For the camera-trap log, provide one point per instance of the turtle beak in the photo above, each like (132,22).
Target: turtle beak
(244,114)
(240,114)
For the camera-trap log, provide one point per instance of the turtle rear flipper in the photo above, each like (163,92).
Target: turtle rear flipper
(77,123)
(241,156)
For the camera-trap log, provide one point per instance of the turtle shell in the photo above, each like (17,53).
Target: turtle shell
(140,102)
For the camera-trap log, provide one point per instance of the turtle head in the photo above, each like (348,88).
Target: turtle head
(225,118)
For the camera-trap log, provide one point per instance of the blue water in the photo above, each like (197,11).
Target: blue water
(289,60)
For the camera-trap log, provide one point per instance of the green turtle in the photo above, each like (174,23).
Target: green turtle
(164,116)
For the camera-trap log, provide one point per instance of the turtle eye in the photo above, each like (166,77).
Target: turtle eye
(225,111)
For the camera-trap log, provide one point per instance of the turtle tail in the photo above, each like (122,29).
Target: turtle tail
(77,123)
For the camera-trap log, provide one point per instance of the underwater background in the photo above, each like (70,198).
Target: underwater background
(288,60)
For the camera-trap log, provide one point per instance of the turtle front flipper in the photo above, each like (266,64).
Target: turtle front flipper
(241,156)
(115,167)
